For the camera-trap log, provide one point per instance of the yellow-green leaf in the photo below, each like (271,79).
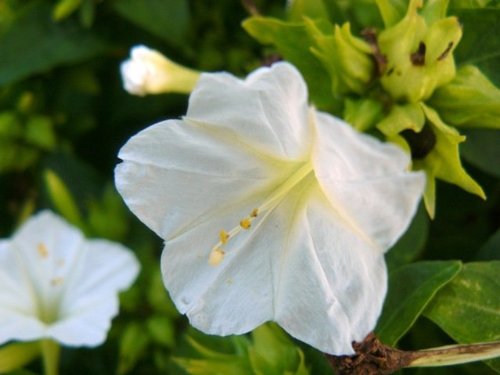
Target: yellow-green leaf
(62,198)
(16,355)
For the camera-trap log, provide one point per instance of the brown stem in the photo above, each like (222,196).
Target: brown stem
(372,357)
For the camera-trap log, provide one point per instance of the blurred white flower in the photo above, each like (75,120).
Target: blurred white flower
(149,72)
(57,285)
(313,205)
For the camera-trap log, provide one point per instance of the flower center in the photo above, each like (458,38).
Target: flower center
(217,254)
(48,291)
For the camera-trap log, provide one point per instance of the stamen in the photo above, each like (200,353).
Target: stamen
(216,256)
(224,237)
(42,250)
(245,223)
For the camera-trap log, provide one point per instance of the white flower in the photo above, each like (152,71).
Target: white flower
(313,205)
(57,285)
(149,72)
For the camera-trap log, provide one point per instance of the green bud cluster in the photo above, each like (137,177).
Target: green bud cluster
(418,56)
(346,57)
(417,70)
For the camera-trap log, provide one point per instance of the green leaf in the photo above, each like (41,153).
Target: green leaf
(40,132)
(468,308)
(480,44)
(214,362)
(270,352)
(16,355)
(34,44)
(213,367)
(107,217)
(208,353)
(293,42)
(167,19)
(62,198)
(481,149)
(87,13)
(158,297)
(64,8)
(411,287)
(273,352)
(133,345)
(16,157)
(16,153)
(473,3)
(491,249)
(161,330)
(410,245)
(307,8)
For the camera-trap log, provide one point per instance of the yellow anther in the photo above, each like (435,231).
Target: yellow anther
(56,281)
(245,223)
(255,212)
(42,250)
(216,256)
(223,236)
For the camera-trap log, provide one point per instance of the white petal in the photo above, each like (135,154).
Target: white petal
(91,300)
(233,297)
(15,294)
(177,174)
(16,326)
(367,181)
(267,110)
(18,308)
(332,285)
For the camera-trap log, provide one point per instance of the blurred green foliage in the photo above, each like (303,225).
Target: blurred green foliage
(64,115)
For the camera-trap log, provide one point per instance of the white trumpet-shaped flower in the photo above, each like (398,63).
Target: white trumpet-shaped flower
(149,72)
(55,284)
(270,210)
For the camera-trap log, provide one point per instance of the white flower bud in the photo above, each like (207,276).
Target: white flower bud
(149,72)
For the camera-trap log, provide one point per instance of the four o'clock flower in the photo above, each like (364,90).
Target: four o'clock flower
(57,285)
(149,72)
(270,210)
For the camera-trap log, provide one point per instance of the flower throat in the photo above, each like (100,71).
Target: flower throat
(217,254)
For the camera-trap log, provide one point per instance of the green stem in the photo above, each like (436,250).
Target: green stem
(455,354)
(50,352)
